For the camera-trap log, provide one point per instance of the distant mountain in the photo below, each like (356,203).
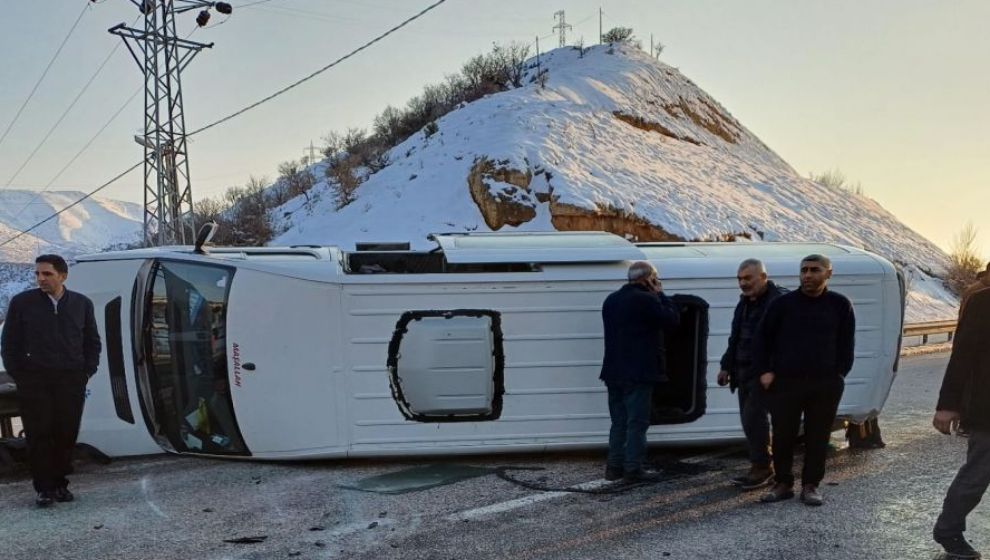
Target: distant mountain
(90,226)
(615,141)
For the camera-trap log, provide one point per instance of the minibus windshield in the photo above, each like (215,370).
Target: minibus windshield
(185,325)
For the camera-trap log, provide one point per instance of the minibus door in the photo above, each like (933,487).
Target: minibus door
(683,397)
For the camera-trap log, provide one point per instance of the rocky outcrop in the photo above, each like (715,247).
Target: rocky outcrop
(502,193)
(712,120)
(506,197)
(650,126)
(567,217)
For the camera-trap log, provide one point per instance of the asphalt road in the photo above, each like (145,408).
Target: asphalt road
(880,505)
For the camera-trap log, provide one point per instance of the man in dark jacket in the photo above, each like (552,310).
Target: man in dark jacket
(634,317)
(737,369)
(804,349)
(51,347)
(965,396)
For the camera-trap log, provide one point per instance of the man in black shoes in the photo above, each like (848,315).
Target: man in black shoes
(634,319)
(965,395)
(51,347)
(804,349)
(737,370)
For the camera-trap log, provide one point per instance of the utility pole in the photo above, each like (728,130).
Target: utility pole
(161,56)
(538,69)
(601,35)
(312,152)
(563,26)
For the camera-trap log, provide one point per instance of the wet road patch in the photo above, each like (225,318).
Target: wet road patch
(417,478)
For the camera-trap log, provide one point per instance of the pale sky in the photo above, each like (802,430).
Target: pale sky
(894,93)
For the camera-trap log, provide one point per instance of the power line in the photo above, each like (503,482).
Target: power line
(43,74)
(422,12)
(80,152)
(56,214)
(61,118)
(242,6)
(227,118)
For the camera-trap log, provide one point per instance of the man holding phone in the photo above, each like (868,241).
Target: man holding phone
(634,318)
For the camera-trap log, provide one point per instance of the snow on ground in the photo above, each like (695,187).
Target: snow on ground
(927,298)
(704,176)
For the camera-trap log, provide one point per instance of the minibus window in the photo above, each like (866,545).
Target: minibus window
(185,341)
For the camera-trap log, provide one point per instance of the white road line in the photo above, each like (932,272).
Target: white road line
(147,499)
(544,496)
(522,502)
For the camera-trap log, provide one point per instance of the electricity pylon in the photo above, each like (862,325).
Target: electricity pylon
(161,55)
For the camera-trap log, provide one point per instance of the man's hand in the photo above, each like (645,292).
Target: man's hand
(723,378)
(946,421)
(767,379)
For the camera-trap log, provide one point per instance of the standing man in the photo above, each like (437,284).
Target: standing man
(965,395)
(804,350)
(737,369)
(635,317)
(982,283)
(51,348)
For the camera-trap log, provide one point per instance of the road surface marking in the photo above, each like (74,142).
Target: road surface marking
(517,503)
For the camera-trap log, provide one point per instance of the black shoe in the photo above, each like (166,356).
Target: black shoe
(758,477)
(44,499)
(778,493)
(957,547)
(63,495)
(613,473)
(810,496)
(643,475)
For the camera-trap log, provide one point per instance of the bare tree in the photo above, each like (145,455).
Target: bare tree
(964,261)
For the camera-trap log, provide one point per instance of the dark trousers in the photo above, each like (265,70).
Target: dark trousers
(51,406)
(968,487)
(817,400)
(755,421)
(629,407)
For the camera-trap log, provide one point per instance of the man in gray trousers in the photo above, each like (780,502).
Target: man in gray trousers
(965,396)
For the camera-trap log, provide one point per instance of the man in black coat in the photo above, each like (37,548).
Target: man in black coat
(634,318)
(737,369)
(51,347)
(804,349)
(965,396)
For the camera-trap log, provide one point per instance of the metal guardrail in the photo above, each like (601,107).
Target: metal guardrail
(930,327)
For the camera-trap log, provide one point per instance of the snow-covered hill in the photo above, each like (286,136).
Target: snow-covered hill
(615,141)
(90,226)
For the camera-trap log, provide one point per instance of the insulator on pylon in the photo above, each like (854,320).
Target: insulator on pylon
(147,7)
(223,7)
(203,18)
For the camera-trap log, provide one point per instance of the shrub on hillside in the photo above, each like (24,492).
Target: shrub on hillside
(618,35)
(836,179)
(295,180)
(241,213)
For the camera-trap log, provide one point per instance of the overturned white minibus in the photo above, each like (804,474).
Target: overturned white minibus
(488,343)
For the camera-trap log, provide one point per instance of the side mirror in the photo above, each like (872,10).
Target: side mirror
(204,236)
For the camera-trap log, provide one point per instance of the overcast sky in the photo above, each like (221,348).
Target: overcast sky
(894,93)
